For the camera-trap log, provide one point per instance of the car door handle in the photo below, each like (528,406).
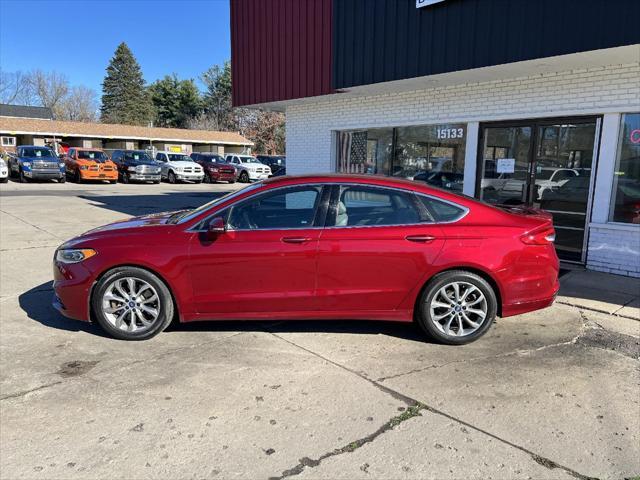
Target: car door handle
(296,239)
(420,238)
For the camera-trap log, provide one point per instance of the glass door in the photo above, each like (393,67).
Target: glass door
(545,164)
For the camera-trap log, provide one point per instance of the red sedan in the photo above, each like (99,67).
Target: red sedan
(314,247)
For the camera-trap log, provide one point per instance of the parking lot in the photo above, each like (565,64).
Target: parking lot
(551,394)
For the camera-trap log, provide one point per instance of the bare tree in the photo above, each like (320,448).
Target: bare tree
(49,88)
(80,105)
(14,87)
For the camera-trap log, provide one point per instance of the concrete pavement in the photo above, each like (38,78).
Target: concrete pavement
(552,394)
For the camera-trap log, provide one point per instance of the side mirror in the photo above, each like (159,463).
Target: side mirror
(216,227)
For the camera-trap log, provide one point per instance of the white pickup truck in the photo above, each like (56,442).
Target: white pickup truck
(249,168)
(178,167)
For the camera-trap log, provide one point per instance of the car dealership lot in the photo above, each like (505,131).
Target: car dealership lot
(549,394)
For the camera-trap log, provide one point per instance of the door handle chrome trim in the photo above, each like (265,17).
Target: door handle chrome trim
(296,239)
(420,238)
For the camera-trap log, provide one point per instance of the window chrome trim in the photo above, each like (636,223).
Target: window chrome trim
(465,210)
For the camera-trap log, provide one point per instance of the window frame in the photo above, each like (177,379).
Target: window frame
(614,179)
(11,141)
(423,211)
(319,217)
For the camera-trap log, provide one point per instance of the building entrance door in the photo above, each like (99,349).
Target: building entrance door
(546,164)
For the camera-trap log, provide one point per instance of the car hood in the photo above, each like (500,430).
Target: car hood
(134,222)
(182,163)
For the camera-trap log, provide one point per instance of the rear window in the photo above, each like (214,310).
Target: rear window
(442,211)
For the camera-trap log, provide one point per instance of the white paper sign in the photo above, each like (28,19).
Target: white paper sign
(506,165)
(426,3)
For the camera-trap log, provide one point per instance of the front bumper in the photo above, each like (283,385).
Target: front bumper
(144,177)
(98,175)
(193,177)
(223,176)
(254,176)
(72,287)
(44,174)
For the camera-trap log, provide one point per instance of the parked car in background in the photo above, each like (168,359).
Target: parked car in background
(36,163)
(215,168)
(83,164)
(136,166)
(4,169)
(275,162)
(178,167)
(314,247)
(248,168)
(548,178)
(446,180)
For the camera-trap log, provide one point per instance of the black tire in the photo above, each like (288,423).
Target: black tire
(62,180)
(23,179)
(77,177)
(423,312)
(244,177)
(4,180)
(207,178)
(156,182)
(125,177)
(166,307)
(171,177)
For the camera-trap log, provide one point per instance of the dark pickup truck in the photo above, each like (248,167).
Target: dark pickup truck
(36,163)
(136,166)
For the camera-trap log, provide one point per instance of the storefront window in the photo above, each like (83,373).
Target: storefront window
(625,204)
(430,153)
(365,151)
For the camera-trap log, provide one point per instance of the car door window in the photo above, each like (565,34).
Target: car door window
(363,206)
(283,209)
(443,212)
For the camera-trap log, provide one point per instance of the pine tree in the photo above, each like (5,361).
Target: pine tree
(175,101)
(124,97)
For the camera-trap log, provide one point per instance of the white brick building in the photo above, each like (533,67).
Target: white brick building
(557,130)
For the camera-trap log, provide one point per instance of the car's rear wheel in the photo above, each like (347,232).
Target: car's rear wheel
(244,177)
(131,303)
(457,307)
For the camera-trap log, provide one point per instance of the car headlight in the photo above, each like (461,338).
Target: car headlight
(82,167)
(133,169)
(26,164)
(179,169)
(61,164)
(72,255)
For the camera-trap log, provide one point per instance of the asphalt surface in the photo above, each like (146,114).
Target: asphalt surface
(551,394)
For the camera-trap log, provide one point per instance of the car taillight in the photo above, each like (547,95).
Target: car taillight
(540,236)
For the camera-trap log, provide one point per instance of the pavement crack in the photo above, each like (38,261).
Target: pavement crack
(26,392)
(413,403)
(306,462)
(31,224)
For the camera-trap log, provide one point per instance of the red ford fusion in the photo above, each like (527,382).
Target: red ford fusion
(314,247)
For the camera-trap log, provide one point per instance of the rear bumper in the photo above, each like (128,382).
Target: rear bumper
(509,310)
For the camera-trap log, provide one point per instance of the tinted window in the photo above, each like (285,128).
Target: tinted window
(441,211)
(287,208)
(360,206)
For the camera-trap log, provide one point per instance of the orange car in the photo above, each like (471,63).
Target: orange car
(90,164)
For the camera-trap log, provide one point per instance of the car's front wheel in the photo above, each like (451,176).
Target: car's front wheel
(172,177)
(244,177)
(457,307)
(131,303)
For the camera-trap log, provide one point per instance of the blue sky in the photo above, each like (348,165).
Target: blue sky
(79,37)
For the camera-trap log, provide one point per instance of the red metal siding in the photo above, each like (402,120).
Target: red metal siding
(280,49)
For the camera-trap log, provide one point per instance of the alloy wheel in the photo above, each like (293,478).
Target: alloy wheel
(131,304)
(458,309)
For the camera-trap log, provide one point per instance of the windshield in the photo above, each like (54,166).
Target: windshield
(92,155)
(249,160)
(544,174)
(187,215)
(37,152)
(213,158)
(179,157)
(137,156)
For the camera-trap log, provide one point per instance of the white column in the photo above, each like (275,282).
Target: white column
(470,160)
(606,167)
